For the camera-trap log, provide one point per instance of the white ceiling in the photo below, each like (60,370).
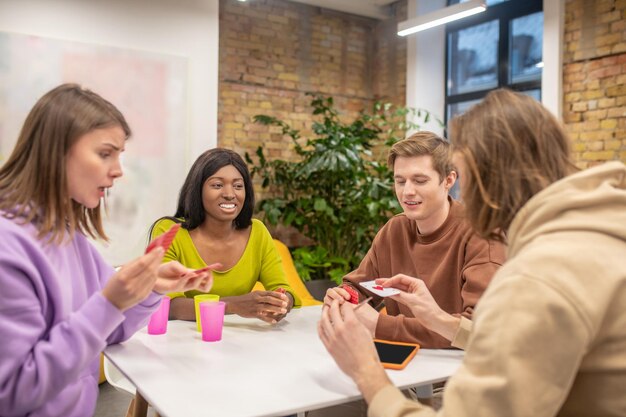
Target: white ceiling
(377,9)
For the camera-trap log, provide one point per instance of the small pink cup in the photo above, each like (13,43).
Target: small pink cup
(212,320)
(158,319)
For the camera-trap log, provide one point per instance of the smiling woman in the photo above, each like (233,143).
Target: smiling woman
(215,210)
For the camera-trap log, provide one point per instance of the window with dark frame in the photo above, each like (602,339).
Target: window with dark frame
(500,47)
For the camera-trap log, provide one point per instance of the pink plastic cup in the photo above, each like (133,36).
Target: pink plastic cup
(212,320)
(158,319)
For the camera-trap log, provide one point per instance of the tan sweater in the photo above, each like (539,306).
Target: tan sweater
(454,263)
(549,336)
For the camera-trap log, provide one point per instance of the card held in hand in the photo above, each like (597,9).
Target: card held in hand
(378,289)
(165,240)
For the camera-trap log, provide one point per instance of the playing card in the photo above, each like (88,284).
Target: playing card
(201,270)
(354,295)
(377,289)
(165,240)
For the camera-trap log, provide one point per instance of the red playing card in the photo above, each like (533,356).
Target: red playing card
(378,287)
(165,240)
(354,294)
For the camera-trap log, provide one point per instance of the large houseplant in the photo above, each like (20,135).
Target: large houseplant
(337,192)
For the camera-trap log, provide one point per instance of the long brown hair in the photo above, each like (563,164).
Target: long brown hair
(513,148)
(33,181)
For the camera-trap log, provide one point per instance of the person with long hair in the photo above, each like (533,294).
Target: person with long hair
(61,303)
(215,208)
(549,334)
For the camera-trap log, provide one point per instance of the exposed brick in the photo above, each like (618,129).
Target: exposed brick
(572,97)
(619,48)
(608,124)
(594,84)
(618,90)
(577,86)
(588,95)
(597,135)
(608,39)
(595,146)
(595,114)
(617,112)
(572,117)
(598,155)
(619,26)
(604,5)
(610,16)
(606,102)
(594,76)
(612,145)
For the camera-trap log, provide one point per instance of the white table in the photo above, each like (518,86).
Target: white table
(256,369)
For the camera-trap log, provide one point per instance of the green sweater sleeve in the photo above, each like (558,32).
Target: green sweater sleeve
(272,272)
(259,262)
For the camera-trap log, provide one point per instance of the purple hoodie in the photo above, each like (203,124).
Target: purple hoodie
(54,322)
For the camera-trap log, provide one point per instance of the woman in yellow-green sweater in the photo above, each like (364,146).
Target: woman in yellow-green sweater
(215,210)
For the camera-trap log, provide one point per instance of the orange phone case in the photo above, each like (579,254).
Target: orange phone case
(405,359)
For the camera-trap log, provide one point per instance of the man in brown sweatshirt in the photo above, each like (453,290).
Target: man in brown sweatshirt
(430,240)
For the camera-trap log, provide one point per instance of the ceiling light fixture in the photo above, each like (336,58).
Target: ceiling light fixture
(440,17)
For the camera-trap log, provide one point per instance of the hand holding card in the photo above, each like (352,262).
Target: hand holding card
(378,289)
(354,295)
(202,270)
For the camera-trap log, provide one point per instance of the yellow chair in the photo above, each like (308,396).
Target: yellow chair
(292,277)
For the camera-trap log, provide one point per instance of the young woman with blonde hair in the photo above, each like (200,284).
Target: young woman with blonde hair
(61,304)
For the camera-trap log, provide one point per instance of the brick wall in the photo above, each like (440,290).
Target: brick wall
(273,51)
(594,79)
(389,74)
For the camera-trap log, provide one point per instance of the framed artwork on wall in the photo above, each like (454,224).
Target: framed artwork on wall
(150,90)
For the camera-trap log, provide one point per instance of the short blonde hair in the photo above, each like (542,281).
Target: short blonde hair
(424,143)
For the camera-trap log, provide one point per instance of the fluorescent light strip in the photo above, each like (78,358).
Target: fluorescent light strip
(431,20)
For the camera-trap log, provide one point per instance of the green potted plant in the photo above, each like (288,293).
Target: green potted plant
(337,193)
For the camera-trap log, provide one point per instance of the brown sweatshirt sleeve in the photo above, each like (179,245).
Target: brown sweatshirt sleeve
(483,258)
